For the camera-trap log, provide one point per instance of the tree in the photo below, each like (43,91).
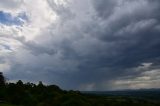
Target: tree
(40,84)
(20,83)
(2,79)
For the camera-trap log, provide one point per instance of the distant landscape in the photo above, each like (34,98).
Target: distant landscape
(29,94)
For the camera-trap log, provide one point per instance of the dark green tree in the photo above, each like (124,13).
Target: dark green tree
(20,83)
(2,79)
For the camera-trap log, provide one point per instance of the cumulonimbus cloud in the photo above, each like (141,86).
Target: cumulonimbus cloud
(86,45)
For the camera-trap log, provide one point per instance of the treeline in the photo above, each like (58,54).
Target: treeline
(29,94)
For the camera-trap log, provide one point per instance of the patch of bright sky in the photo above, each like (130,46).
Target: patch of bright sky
(8,19)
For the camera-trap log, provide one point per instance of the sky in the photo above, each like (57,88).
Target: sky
(81,44)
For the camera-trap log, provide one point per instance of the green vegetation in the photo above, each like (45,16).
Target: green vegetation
(6,105)
(29,94)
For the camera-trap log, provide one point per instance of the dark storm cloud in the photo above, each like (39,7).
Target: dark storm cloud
(125,39)
(104,7)
(122,36)
(94,44)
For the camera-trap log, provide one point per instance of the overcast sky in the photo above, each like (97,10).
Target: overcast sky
(81,44)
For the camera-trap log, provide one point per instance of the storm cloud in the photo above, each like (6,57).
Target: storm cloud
(83,44)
